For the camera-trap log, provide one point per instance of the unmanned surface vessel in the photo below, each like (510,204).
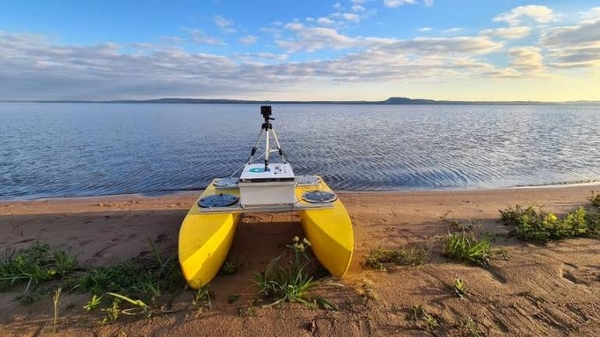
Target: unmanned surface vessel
(208,229)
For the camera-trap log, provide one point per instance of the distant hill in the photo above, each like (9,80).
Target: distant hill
(390,101)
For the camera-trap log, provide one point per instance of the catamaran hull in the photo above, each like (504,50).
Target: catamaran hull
(204,242)
(206,234)
(330,233)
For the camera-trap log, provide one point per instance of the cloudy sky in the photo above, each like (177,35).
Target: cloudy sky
(300,50)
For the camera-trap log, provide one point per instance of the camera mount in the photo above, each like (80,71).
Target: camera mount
(266,112)
(267,130)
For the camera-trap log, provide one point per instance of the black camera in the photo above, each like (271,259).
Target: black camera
(265,110)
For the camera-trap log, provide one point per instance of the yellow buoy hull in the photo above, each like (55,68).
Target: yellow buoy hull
(329,231)
(204,242)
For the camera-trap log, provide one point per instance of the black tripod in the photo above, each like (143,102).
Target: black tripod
(267,129)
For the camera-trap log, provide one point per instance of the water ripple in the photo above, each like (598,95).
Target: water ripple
(59,150)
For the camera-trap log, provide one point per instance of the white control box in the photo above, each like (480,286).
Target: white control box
(274,186)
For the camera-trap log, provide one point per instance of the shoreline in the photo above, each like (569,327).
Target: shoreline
(407,191)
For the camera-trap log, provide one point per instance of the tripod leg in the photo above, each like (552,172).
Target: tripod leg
(267,150)
(255,147)
(278,146)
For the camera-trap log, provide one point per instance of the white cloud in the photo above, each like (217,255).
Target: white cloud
(347,16)
(526,59)
(32,67)
(452,30)
(450,46)
(583,34)
(592,15)
(314,38)
(358,8)
(224,24)
(248,39)
(510,33)
(325,21)
(397,3)
(541,14)
(574,46)
(255,57)
(199,36)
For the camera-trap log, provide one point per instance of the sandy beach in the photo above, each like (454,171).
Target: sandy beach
(550,290)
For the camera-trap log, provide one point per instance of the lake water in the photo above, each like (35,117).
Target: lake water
(64,150)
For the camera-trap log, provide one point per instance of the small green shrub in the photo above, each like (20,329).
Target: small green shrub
(460,288)
(422,318)
(378,258)
(93,303)
(467,327)
(595,199)
(141,278)
(35,264)
(532,224)
(232,265)
(291,281)
(465,247)
(203,298)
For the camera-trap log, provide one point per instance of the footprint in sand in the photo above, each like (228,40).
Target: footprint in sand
(569,271)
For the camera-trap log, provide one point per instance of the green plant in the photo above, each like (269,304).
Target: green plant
(455,225)
(112,312)
(139,307)
(467,328)
(203,298)
(93,303)
(502,251)
(141,278)
(232,265)
(34,264)
(419,315)
(56,300)
(460,288)
(248,311)
(290,281)
(593,223)
(532,224)
(466,248)
(367,293)
(377,258)
(595,199)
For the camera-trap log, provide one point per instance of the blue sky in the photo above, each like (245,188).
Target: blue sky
(306,50)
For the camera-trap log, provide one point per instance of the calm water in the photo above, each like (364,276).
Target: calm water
(57,150)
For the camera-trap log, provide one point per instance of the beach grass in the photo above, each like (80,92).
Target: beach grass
(35,264)
(595,199)
(232,265)
(465,247)
(422,318)
(290,280)
(460,288)
(379,258)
